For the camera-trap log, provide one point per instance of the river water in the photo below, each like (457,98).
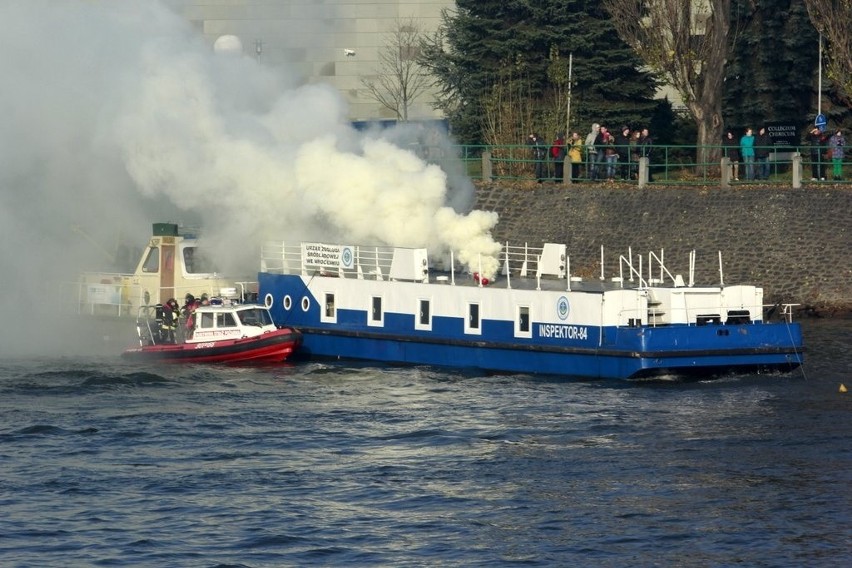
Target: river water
(104,463)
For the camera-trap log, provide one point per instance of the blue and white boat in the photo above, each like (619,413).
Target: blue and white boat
(391,304)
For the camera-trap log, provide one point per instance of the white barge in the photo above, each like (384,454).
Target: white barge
(390,304)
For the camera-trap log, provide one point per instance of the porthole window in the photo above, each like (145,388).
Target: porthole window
(288,302)
(267,300)
(306,303)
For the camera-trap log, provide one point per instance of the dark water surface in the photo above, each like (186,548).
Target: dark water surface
(104,463)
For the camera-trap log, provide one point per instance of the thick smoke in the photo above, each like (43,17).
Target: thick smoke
(118,115)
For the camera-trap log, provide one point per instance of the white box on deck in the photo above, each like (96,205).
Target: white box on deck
(409,264)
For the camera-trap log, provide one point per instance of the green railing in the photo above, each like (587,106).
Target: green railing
(668,164)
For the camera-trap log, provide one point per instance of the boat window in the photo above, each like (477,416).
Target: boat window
(206,320)
(472,318)
(196,261)
(329,306)
(288,302)
(256,316)
(425,313)
(152,260)
(376,313)
(523,319)
(225,320)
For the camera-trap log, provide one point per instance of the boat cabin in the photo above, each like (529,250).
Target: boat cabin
(206,324)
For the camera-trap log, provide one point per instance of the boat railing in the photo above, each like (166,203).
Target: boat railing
(377,262)
(637,274)
(521,261)
(149,321)
(366,262)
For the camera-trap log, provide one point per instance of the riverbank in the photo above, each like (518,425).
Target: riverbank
(795,243)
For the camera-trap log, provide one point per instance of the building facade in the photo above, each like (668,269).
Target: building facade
(334,41)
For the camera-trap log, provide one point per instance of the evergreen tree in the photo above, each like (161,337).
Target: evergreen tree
(772,74)
(500,56)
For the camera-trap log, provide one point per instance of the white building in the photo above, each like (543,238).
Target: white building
(334,41)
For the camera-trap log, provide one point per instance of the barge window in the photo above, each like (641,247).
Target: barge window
(329,305)
(152,261)
(425,314)
(423,319)
(523,320)
(472,318)
(376,314)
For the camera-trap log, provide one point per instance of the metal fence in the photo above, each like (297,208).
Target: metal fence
(666,165)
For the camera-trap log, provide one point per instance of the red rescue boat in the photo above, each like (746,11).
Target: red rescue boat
(217,334)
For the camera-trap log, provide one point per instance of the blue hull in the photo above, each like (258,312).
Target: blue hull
(619,352)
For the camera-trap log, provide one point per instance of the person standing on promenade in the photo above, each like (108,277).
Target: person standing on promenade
(634,154)
(622,147)
(747,152)
(601,143)
(646,144)
(539,153)
(762,145)
(592,152)
(835,145)
(557,154)
(575,154)
(731,150)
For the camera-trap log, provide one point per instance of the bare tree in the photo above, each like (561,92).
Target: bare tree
(686,42)
(399,78)
(833,19)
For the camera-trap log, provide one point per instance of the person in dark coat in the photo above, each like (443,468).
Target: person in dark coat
(646,145)
(731,150)
(539,153)
(622,147)
(817,143)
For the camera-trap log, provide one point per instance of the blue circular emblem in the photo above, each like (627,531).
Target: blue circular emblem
(346,257)
(562,308)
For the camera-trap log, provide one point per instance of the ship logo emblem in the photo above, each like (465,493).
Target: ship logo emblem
(346,257)
(562,308)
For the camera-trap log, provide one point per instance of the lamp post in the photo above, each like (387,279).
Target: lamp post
(568,113)
(820,121)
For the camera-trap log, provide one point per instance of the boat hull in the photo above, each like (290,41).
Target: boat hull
(620,360)
(272,347)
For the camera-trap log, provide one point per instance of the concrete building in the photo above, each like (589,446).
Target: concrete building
(333,41)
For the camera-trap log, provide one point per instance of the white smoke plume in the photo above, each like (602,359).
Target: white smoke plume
(119,115)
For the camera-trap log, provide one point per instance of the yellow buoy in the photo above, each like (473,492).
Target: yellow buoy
(842,387)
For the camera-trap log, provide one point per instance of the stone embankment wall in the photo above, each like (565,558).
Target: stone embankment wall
(796,244)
